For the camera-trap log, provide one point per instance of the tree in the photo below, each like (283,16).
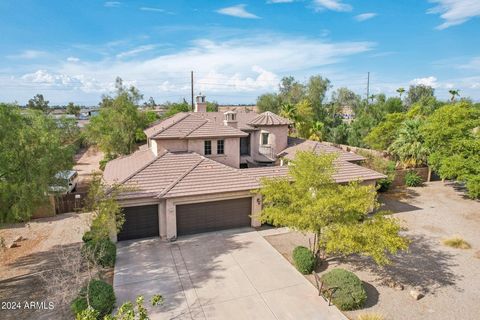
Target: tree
(212,106)
(309,200)
(454,93)
(150,104)
(452,135)
(269,102)
(73,109)
(317,131)
(289,111)
(345,97)
(383,135)
(304,116)
(416,93)
(116,126)
(33,151)
(38,103)
(316,90)
(174,108)
(409,146)
(291,91)
(400,91)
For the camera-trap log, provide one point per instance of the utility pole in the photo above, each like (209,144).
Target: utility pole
(368,86)
(191,84)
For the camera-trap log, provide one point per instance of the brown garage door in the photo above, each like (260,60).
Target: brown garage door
(211,216)
(140,222)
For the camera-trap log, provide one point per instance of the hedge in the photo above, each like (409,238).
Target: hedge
(101,297)
(304,260)
(350,294)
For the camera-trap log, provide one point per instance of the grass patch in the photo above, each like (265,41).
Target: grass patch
(457,243)
(371,316)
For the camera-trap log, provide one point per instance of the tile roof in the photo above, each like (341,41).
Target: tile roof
(243,118)
(190,125)
(180,174)
(117,170)
(296,144)
(345,172)
(269,119)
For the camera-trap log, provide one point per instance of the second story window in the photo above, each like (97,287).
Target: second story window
(220,146)
(207,147)
(265,138)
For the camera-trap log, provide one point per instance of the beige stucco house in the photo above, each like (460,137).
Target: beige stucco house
(198,170)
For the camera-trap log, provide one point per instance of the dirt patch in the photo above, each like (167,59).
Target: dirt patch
(87,162)
(21,267)
(448,277)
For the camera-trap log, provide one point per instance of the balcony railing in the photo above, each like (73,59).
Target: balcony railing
(267,151)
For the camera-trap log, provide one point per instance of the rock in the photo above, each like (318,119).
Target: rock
(416,294)
(18,239)
(399,286)
(12,245)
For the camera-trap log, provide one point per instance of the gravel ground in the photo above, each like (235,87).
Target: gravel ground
(20,267)
(450,278)
(86,163)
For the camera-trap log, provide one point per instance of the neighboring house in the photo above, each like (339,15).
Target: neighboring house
(243,108)
(346,113)
(187,178)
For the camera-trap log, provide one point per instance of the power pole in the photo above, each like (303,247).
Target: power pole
(368,86)
(191,84)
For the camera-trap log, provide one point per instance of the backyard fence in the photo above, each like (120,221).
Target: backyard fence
(70,202)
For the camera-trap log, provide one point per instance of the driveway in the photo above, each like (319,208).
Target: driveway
(222,275)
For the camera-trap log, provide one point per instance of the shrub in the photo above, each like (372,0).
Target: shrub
(350,294)
(100,296)
(412,179)
(384,184)
(87,236)
(304,260)
(370,316)
(103,251)
(457,242)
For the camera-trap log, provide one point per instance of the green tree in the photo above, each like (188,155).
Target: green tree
(400,91)
(454,93)
(150,104)
(452,134)
(174,108)
(383,135)
(409,146)
(269,102)
(304,118)
(38,102)
(33,150)
(73,109)
(116,126)
(212,106)
(289,111)
(317,131)
(418,92)
(309,200)
(291,91)
(316,90)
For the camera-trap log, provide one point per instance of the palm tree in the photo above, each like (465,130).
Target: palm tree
(316,131)
(372,96)
(400,91)
(454,93)
(409,147)
(289,111)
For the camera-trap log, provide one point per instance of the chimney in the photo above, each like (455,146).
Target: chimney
(230,119)
(201,103)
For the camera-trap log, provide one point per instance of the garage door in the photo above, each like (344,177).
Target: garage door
(140,222)
(211,216)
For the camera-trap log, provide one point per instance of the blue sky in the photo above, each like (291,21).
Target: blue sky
(73,50)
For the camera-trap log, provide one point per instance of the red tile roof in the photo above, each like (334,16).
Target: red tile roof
(269,119)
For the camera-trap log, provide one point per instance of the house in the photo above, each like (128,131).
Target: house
(199,170)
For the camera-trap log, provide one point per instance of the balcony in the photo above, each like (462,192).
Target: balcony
(267,151)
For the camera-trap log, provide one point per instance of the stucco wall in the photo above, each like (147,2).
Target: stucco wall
(231,147)
(278,137)
(173,145)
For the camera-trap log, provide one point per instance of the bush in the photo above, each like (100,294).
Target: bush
(304,260)
(457,242)
(100,295)
(87,236)
(103,251)
(370,316)
(412,179)
(350,294)
(384,184)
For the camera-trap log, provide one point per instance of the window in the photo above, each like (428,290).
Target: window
(220,146)
(265,138)
(245,146)
(207,147)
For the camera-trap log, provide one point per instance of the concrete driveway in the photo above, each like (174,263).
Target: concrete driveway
(222,275)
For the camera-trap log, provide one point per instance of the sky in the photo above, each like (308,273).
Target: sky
(74,50)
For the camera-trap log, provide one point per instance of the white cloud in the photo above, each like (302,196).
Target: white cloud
(73,59)
(46,79)
(473,64)
(152,9)
(365,16)
(427,81)
(28,54)
(455,12)
(135,51)
(335,5)
(238,11)
(112,4)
